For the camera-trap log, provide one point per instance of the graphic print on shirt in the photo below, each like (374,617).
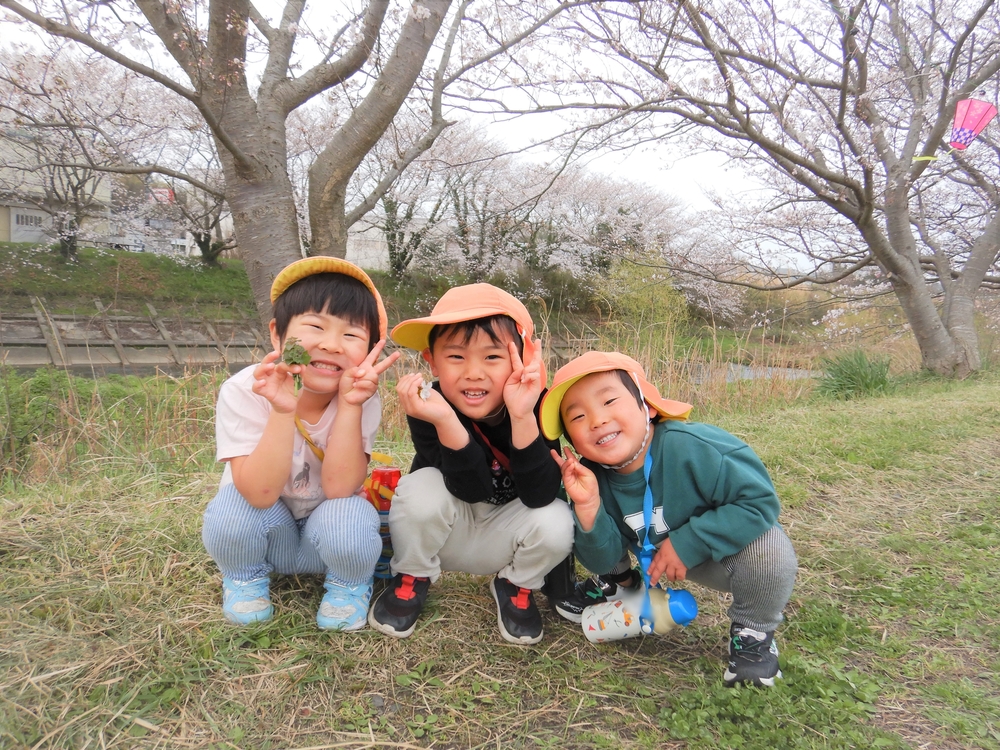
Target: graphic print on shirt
(301,486)
(301,480)
(504,489)
(503,485)
(637,523)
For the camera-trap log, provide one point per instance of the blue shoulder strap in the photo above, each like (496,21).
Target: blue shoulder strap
(647,550)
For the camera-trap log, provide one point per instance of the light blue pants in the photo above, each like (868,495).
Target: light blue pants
(339,539)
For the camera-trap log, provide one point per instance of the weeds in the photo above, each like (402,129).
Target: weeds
(111,633)
(854,375)
(54,423)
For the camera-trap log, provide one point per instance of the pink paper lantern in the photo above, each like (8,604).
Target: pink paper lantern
(971,116)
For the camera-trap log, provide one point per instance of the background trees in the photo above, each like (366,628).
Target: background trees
(204,57)
(246,72)
(841,113)
(52,136)
(84,140)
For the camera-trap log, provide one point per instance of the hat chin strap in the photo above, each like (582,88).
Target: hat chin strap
(645,440)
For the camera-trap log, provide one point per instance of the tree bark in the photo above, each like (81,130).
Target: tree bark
(331,172)
(961,322)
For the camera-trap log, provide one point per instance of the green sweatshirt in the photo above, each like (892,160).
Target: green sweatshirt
(711,495)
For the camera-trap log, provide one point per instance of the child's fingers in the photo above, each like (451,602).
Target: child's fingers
(364,388)
(370,360)
(557,458)
(411,381)
(373,354)
(655,571)
(407,385)
(386,363)
(515,358)
(267,364)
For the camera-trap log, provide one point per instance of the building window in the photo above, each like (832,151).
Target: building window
(27,220)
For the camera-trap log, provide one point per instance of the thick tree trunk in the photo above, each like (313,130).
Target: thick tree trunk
(327,215)
(331,172)
(68,232)
(67,246)
(266,231)
(258,189)
(940,350)
(961,322)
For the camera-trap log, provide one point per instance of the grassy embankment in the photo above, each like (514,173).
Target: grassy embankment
(123,281)
(126,281)
(111,633)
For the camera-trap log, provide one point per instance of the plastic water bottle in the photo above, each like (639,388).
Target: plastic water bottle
(671,608)
(613,621)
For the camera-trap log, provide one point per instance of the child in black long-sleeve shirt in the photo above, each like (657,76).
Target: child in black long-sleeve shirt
(479,495)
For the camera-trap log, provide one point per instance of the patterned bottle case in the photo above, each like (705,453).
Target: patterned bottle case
(381,488)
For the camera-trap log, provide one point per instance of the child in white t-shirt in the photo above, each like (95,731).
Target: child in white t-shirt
(296,440)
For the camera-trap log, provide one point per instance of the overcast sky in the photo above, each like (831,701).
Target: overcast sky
(689,178)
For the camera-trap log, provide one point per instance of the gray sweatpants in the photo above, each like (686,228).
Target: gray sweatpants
(432,530)
(760,577)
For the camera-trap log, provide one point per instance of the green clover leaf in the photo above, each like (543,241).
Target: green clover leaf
(295,354)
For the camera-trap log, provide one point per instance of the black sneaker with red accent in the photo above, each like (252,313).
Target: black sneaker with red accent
(608,587)
(396,610)
(519,619)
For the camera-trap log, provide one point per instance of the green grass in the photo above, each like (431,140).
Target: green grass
(111,633)
(854,375)
(120,279)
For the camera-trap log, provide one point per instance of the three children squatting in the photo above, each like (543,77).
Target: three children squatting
(483,493)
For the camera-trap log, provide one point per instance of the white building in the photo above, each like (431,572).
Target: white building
(23,190)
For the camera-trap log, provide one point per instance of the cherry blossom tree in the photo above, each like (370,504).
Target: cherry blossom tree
(842,112)
(61,124)
(245,72)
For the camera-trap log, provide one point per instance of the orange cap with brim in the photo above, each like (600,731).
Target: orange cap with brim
(589,363)
(325,264)
(462,303)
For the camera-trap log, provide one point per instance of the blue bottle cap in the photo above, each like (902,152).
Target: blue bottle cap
(683,607)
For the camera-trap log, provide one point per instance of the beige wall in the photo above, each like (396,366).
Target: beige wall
(15,153)
(4,224)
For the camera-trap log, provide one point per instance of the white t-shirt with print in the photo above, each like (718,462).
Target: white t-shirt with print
(240,418)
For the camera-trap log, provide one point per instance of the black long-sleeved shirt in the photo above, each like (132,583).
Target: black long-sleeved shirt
(474,475)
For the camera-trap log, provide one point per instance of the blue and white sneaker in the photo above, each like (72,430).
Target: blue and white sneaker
(344,607)
(244,602)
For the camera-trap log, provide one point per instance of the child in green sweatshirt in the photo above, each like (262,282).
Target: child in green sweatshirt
(714,512)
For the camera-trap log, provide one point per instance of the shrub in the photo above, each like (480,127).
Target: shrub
(854,375)
(645,310)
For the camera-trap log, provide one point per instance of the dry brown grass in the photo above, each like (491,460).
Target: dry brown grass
(111,634)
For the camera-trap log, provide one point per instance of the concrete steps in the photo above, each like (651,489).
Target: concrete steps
(126,344)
